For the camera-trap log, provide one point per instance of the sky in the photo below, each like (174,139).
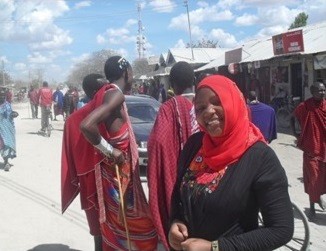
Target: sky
(49,37)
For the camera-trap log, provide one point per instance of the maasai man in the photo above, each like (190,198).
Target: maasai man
(311,115)
(57,98)
(78,162)
(7,130)
(108,128)
(45,101)
(262,116)
(175,122)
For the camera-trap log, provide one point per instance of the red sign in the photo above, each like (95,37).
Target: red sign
(289,42)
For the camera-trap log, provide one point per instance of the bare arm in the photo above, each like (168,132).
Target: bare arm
(292,124)
(89,126)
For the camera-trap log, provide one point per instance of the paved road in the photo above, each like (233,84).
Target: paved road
(30,217)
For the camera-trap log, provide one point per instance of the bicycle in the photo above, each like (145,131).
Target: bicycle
(283,109)
(301,236)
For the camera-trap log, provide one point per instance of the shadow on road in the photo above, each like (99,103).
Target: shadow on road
(318,219)
(52,247)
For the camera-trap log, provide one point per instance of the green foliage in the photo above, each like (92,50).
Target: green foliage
(299,21)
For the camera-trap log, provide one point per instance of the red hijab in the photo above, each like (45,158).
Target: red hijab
(239,133)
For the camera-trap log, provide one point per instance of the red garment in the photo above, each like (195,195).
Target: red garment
(45,96)
(174,123)
(33,97)
(312,119)
(239,133)
(78,161)
(314,177)
(311,115)
(9,96)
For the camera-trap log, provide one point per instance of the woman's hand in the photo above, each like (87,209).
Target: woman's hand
(178,233)
(195,244)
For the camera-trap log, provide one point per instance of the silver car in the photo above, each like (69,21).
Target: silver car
(142,111)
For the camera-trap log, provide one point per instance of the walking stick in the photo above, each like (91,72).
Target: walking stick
(123,207)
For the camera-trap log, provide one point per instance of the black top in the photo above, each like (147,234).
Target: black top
(257,182)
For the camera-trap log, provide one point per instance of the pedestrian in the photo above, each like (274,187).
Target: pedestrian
(45,101)
(174,123)
(7,130)
(70,101)
(227,174)
(311,115)
(57,99)
(262,116)
(78,162)
(33,101)
(123,214)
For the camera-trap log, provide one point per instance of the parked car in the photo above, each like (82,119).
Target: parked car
(142,111)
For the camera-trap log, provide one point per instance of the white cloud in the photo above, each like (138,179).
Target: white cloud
(316,9)
(162,5)
(131,22)
(225,4)
(224,39)
(32,23)
(200,15)
(4,59)
(100,39)
(123,52)
(280,15)
(272,30)
(52,41)
(246,20)
(119,35)
(20,67)
(180,44)
(38,58)
(80,58)
(202,4)
(82,4)
(258,3)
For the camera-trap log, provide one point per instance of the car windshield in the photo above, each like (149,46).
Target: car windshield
(141,113)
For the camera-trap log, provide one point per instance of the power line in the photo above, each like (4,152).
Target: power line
(86,18)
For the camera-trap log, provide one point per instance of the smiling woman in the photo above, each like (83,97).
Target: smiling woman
(228,166)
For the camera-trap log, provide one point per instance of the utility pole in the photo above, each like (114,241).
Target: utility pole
(140,38)
(3,73)
(192,51)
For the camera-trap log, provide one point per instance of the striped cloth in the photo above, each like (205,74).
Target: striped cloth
(7,132)
(142,232)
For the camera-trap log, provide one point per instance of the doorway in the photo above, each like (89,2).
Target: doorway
(296,80)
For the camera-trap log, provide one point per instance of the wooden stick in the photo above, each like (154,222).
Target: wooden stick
(123,207)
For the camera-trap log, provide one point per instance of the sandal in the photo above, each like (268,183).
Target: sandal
(7,167)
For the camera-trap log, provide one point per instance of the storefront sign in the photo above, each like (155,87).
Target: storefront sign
(289,42)
(233,56)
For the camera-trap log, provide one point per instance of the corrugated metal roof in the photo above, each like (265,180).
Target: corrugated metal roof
(153,60)
(201,55)
(314,37)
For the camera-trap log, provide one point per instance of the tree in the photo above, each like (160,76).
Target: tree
(5,78)
(299,21)
(141,67)
(204,44)
(93,64)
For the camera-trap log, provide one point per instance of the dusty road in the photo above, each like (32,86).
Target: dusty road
(30,211)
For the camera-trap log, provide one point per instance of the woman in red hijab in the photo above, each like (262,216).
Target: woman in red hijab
(227,174)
